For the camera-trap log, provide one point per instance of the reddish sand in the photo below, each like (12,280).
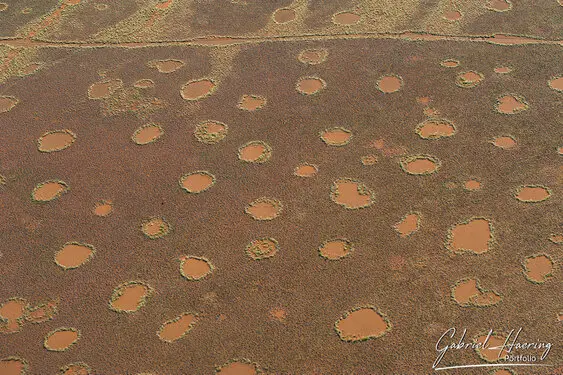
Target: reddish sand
(264,209)
(336,136)
(197,182)
(49,190)
(7,103)
(503,69)
(56,140)
(194,268)
(346,18)
(449,63)
(278,314)
(538,268)
(452,15)
(284,15)
(262,248)
(504,142)
(532,194)
(13,366)
(502,372)
(472,185)
(408,225)
(511,104)
(469,79)
(13,309)
(255,152)
(390,83)
(147,134)
(41,313)
(306,170)
(489,354)
(351,194)
(435,129)
(129,297)
(473,236)
(310,85)
(420,165)
(61,339)
(73,255)
(175,329)
(238,368)
(361,324)
(103,208)
(197,89)
(556,83)
(499,5)
(251,102)
(556,238)
(103,89)
(76,369)
(168,66)
(488,298)
(313,56)
(155,227)
(335,249)
(465,290)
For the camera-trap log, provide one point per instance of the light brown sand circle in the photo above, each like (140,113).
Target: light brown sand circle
(469,79)
(166,66)
(464,290)
(104,89)
(313,56)
(144,83)
(49,190)
(195,268)
(420,164)
(408,225)
(13,309)
(130,296)
(337,136)
(197,182)
(284,15)
(472,185)
(474,235)
(538,268)
(389,83)
(147,133)
(450,63)
(176,328)
(306,170)
(510,104)
(335,249)
(251,102)
(13,366)
(262,248)
(61,339)
(362,323)
(198,89)
(238,367)
(503,70)
(78,368)
(155,227)
(310,85)
(255,152)
(350,193)
(264,208)
(435,129)
(56,140)
(103,208)
(7,103)
(556,83)
(499,5)
(210,132)
(278,314)
(452,15)
(346,18)
(495,349)
(505,142)
(74,254)
(532,193)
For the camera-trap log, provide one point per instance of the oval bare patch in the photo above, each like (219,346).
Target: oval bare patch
(408,225)
(532,193)
(195,268)
(435,129)
(313,56)
(284,15)
(362,323)
(469,79)
(174,329)
(474,236)
(166,66)
(351,194)
(251,103)
(336,136)
(238,367)
(556,83)
(13,366)
(505,142)
(255,152)
(264,208)
(420,164)
(262,248)
(494,351)
(155,227)
(130,296)
(144,83)
(78,368)
(335,249)
(103,208)
(147,133)
(61,339)
(74,254)
(499,5)
(198,89)
(510,104)
(197,182)
(346,18)
(56,140)
(450,63)
(389,83)
(306,170)
(538,268)
(49,190)
(310,85)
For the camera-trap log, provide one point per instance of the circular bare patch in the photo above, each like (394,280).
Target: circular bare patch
(130,296)
(197,182)
(166,66)
(195,268)
(238,367)
(148,133)
(103,208)
(144,84)
(77,368)
(198,89)
(284,15)
(7,103)
(472,185)
(13,366)
(174,329)
(49,190)
(210,132)
(55,140)
(510,104)
(389,83)
(474,235)
(409,224)
(310,85)
(420,164)
(264,208)
(262,248)
(346,18)
(435,129)
(362,323)
(506,142)
(351,194)
(499,5)
(74,254)
(469,79)
(155,227)
(556,83)
(61,339)
(335,249)
(255,152)
(251,103)
(313,56)
(532,193)
(336,136)
(452,15)
(306,170)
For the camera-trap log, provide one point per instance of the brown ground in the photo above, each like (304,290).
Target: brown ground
(311,207)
